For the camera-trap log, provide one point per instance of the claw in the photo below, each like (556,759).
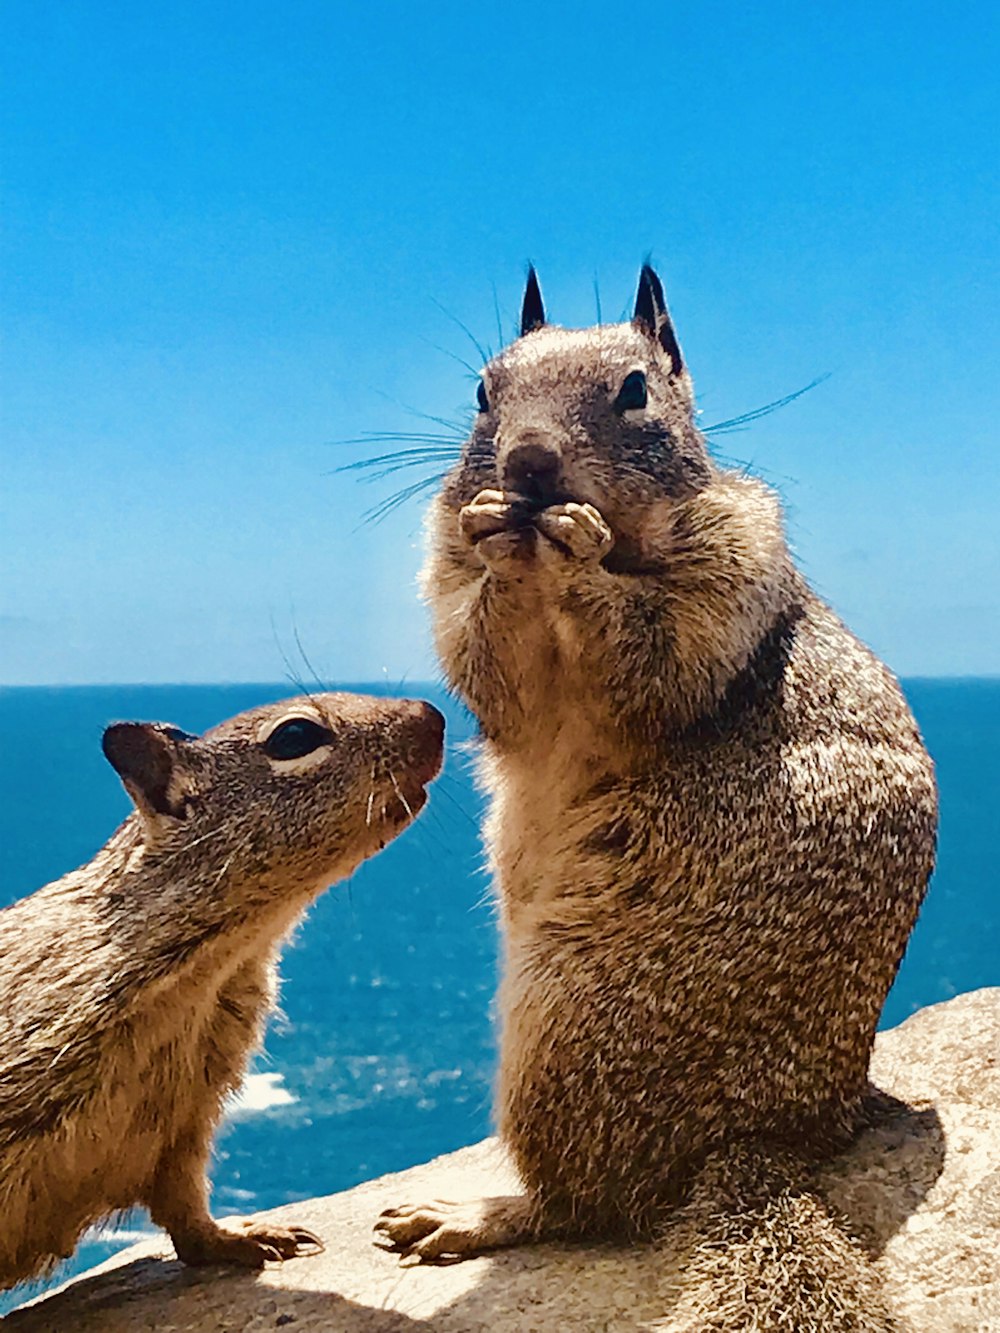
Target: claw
(305,1237)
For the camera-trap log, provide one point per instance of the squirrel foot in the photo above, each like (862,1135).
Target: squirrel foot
(447,1232)
(252,1247)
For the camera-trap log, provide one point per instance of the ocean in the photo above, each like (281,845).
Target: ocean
(384,1053)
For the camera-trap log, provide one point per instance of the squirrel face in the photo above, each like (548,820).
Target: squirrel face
(289,796)
(603,416)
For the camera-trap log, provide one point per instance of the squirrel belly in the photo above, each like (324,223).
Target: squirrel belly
(712,816)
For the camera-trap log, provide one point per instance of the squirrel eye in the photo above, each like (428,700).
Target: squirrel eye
(481,398)
(632,394)
(175,734)
(296,737)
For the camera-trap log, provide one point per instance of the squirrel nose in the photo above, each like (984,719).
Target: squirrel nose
(532,469)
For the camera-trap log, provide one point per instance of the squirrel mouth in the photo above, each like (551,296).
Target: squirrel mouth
(524,509)
(409,787)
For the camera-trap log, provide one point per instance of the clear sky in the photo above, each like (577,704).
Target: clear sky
(229,231)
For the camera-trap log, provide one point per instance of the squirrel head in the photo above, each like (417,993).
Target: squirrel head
(603,415)
(294,794)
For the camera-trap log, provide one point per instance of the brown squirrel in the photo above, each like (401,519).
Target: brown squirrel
(133,990)
(712,825)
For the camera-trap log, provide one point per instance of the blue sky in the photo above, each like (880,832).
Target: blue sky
(229,230)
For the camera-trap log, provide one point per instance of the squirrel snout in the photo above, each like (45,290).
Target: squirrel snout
(533,470)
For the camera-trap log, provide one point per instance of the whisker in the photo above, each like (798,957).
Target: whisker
(371,798)
(205,837)
(402,458)
(745,418)
(421,416)
(291,675)
(442,790)
(309,666)
(382,510)
(402,437)
(465,329)
(402,799)
(473,370)
(496,311)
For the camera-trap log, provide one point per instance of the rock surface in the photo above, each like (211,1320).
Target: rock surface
(924,1188)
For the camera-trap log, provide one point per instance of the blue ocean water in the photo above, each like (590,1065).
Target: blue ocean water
(385,1054)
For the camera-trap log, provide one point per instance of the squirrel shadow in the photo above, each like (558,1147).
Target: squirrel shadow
(874,1186)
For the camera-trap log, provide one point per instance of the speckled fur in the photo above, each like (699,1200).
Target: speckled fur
(712,823)
(133,990)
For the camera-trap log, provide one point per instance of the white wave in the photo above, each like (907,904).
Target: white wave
(260,1092)
(119,1235)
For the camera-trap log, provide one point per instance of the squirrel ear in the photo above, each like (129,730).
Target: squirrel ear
(652,318)
(532,310)
(143,754)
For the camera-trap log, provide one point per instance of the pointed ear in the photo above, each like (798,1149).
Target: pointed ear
(532,310)
(143,754)
(652,318)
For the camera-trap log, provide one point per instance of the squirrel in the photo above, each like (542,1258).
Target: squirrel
(134,989)
(712,824)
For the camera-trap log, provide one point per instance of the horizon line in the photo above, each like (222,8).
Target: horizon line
(989,677)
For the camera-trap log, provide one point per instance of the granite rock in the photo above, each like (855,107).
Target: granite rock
(923,1189)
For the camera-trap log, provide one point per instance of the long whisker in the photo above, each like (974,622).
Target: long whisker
(380,511)
(403,437)
(421,416)
(745,418)
(401,458)
(465,329)
(496,311)
(473,370)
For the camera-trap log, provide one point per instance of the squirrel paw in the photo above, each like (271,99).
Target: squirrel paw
(489,513)
(252,1247)
(445,1232)
(577,530)
(498,525)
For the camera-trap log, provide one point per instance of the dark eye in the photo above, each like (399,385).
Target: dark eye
(175,734)
(632,394)
(296,737)
(481,398)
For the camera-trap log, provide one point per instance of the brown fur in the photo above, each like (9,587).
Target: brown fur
(712,819)
(133,990)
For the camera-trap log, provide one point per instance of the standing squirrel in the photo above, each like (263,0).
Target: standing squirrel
(133,990)
(712,825)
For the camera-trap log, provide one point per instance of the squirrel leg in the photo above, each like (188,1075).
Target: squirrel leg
(178,1202)
(450,1231)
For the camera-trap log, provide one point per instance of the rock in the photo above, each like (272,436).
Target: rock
(923,1188)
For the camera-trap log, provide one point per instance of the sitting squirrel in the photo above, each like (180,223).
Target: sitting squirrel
(712,825)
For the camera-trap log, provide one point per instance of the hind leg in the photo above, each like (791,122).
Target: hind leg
(446,1231)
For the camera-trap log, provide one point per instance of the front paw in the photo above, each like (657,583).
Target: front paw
(576,530)
(498,525)
(256,1244)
